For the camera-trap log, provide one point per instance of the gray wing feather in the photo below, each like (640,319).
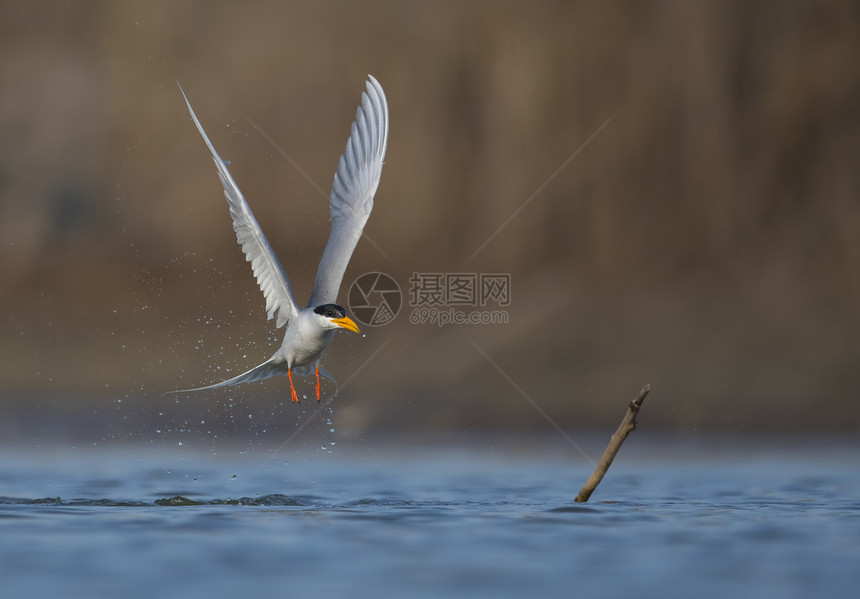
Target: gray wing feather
(280,302)
(355,182)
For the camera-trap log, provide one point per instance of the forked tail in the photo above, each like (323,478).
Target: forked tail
(266,370)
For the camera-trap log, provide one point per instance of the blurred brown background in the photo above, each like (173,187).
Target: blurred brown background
(706,240)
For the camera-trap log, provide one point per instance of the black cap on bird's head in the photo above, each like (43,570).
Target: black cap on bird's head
(337,315)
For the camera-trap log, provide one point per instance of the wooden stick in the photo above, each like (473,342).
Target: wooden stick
(627,426)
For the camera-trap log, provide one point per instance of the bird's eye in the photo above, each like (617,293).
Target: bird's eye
(330,311)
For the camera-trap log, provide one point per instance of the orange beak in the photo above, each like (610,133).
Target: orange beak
(347,323)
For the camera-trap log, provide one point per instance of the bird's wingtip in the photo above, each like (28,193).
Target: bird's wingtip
(372,83)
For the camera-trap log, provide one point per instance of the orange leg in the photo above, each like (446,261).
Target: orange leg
(318,382)
(292,389)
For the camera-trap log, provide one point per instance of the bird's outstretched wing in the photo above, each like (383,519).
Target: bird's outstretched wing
(280,302)
(352,192)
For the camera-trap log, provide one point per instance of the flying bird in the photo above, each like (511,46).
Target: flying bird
(309,330)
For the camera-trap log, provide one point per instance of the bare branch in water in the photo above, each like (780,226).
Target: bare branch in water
(627,426)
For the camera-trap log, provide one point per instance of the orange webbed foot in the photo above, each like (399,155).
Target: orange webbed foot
(295,398)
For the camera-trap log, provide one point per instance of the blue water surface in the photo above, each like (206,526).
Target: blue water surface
(406,519)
